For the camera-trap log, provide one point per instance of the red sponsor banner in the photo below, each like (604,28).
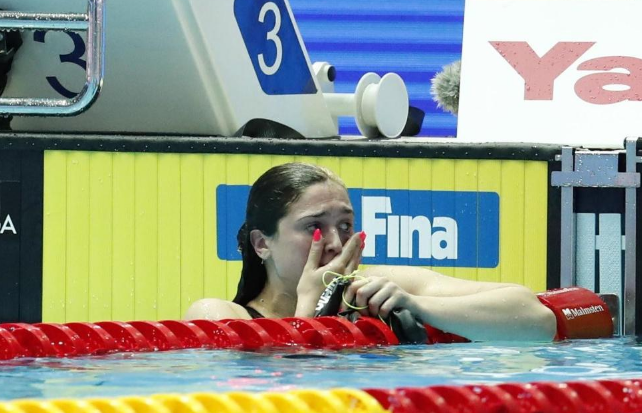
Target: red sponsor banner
(544,71)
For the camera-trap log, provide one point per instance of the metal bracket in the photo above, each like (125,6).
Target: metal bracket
(93,23)
(596,169)
(599,169)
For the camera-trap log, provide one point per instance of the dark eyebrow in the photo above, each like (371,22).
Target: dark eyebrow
(345,210)
(348,210)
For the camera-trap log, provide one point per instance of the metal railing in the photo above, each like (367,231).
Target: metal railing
(93,23)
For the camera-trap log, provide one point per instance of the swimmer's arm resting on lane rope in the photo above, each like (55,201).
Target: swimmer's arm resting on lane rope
(472,309)
(475,310)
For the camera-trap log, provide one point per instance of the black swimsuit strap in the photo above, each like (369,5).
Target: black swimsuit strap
(252,312)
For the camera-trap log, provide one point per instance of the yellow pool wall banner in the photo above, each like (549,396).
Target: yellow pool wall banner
(133,236)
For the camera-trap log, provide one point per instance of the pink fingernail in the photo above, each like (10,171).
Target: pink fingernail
(362,235)
(317,235)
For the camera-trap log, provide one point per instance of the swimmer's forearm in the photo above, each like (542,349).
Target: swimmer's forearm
(510,313)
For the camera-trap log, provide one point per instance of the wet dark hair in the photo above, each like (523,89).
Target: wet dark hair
(269,201)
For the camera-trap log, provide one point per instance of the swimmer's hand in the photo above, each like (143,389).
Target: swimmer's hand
(311,284)
(378,296)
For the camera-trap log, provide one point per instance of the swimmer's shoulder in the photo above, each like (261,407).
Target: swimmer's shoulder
(216,309)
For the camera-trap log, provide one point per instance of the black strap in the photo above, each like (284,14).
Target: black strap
(253,313)
(408,328)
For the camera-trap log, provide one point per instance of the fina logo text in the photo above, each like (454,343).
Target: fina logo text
(436,239)
(7,226)
(404,227)
(571,313)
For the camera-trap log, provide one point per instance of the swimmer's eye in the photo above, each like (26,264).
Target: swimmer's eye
(312,227)
(345,226)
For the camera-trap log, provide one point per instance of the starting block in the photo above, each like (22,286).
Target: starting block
(197,67)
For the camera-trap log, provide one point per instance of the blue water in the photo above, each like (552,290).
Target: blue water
(191,371)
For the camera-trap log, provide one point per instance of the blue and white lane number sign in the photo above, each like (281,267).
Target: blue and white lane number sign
(274,48)
(404,227)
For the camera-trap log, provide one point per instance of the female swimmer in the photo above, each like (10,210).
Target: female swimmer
(299,226)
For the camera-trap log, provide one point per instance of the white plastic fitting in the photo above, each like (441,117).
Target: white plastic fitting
(379,105)
(325,74)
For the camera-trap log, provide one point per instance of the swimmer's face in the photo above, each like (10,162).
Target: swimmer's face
(325,206)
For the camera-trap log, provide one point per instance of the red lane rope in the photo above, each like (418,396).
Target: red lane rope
(599,396)
(79,339)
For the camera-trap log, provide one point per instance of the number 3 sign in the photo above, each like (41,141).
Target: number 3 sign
(75,57)
(272,43)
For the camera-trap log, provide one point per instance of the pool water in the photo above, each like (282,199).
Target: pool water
(189,371)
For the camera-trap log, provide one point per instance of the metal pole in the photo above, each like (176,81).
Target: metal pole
(567,242)
(630,234)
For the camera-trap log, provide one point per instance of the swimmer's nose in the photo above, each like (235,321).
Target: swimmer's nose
(333,243)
